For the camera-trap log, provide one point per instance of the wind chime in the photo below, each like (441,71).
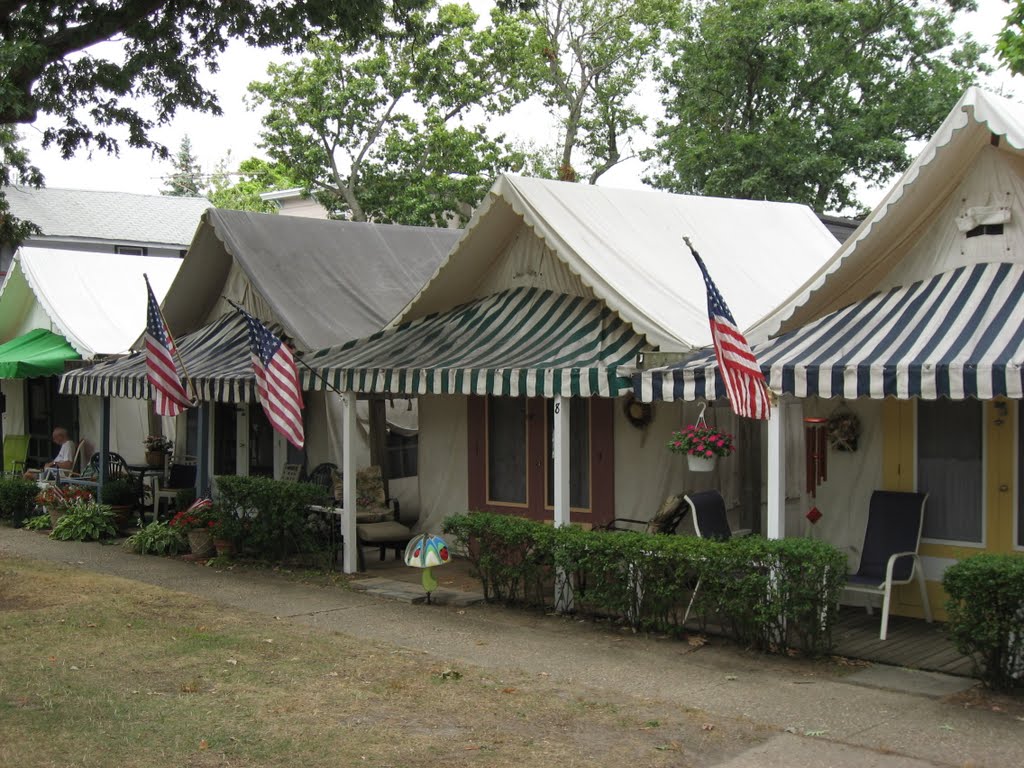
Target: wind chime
(816,456)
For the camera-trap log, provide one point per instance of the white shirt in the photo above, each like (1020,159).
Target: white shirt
(67,451)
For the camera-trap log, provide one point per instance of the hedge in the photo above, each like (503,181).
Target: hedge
(986,615)
(773,595)
(275,518)
(17,498)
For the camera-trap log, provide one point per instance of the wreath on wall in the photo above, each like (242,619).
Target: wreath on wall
(843,430)
(638,414)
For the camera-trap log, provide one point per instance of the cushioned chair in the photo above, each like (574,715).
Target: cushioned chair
(180,477)
(709,518)
(709,522)
(377,516)
(665,520)
(889,556)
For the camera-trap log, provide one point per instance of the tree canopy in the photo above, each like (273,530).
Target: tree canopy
(799,99)
(384,130)
(591,57)
(83,62)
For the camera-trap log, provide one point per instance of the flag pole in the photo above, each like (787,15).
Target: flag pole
(177,354)
(299,360)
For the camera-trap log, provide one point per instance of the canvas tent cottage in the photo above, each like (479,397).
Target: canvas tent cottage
(528,333)
(916,328)
(315,282)
(57,306)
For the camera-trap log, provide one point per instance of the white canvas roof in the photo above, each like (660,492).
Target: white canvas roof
(626,246)
(974,162)
(97,301)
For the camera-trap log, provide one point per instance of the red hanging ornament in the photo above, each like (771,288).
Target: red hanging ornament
(816,456)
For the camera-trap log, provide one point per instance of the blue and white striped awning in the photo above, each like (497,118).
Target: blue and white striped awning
(217,358)
(524,341)
(958,334)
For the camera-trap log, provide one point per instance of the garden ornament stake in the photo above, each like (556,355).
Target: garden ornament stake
(425,551)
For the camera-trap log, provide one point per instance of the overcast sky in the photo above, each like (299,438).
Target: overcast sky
(238,129)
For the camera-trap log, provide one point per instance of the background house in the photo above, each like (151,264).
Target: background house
(77,281)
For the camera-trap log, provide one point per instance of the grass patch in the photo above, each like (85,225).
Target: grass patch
(101,672)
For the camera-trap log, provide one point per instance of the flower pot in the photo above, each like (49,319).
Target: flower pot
(56,513)
(224,547)
(155,458)
(122,515)
(700,463)
(200,541)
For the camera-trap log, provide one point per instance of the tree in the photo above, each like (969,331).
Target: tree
(187,179)
(798,99)
(593,56)
(255,176)
(1010,45)
(52,64)
(381,131)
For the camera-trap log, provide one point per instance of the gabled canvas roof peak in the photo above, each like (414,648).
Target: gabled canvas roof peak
(626,246)
(979,120)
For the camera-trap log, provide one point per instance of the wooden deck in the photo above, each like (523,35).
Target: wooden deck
(910,643)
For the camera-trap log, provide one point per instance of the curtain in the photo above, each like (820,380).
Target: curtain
(949,468)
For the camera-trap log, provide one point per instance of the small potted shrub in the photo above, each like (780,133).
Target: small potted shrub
(197,522)
(121,496)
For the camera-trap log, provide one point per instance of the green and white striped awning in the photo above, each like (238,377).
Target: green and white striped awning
(525,341)
(217,358)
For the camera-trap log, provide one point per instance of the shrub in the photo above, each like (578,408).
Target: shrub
(157,538)
(85,521)
(772,595)
(37,523)
(120,493)
(17,498)
(275,515)
(986,615)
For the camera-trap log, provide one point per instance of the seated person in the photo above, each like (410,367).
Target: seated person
(63,460)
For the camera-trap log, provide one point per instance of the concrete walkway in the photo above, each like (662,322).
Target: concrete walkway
(873,717)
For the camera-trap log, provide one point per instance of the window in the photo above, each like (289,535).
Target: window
(403,454)
(506,450)
(131,250)
(510,464)
(579,454)
(949,469)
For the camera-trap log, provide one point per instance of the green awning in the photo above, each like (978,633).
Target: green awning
(36,353)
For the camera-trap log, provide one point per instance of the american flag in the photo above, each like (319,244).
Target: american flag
(277,381)
(744,383)
(169,398)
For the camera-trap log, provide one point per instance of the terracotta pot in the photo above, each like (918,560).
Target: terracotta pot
(55,515)
(224,547)
(155,458)
(200,541)
(122,516)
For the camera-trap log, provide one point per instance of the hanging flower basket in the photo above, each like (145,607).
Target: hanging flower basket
(700,463)
(701,444)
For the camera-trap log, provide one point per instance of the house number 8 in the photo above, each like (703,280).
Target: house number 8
(558,408)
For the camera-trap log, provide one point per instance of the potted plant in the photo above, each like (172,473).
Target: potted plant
(121,496)
(227,529)
(157,449)
(55,500)
(702,445)
(198,522)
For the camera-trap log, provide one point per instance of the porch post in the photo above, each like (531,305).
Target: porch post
(104,445)
(560,453)
(560,481)
(350,559)
(777,471)
(202,448)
